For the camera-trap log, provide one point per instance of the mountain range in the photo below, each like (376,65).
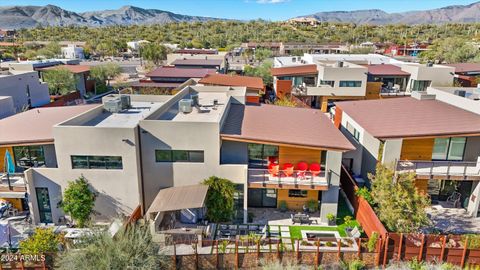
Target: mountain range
(14,17)
(450,14)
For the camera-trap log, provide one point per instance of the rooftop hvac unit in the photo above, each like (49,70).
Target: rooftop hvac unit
(339,64)
(185,105)
(113,105)
(126,102)
(429,64)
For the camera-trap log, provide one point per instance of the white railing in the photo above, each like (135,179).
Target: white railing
(300,178)
(447,168)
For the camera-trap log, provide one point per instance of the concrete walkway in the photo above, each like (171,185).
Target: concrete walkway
(453,220)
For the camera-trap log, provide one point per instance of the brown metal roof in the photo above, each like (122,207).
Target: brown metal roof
(409,117)
(386,70)
(35,125)
(173,72)
(72,68)
(197,62)
(283,125)
(465,67)
(233,80)
(295,70)
(178,198)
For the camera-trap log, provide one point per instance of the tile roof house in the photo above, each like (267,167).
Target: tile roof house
(254,85)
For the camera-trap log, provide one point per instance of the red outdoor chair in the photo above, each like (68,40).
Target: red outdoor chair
(273,169)
(288,169)
(302,168)
(315,169)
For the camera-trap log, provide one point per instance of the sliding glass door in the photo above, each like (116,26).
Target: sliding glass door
(449,148)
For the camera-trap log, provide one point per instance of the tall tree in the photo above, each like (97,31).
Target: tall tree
(451,50)
(262,71)
(79,201)
(104,73)
(60,81)
(153,52)
(399,205)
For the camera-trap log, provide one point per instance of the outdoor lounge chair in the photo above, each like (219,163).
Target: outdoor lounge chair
(302,168)
(288,169)
(315,169)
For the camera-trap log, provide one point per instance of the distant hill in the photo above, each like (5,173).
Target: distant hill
(450,14)
(14,17)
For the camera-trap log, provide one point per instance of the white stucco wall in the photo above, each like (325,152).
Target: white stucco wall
(17,86)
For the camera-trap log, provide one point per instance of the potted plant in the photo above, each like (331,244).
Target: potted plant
(331,219)
(282,205)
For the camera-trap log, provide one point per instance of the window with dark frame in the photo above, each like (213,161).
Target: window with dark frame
(350,84)
(297,193)
(97,162)
(179,156)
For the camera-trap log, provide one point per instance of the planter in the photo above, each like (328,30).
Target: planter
(332,223)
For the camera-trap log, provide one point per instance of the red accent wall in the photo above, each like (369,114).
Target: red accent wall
(283,87)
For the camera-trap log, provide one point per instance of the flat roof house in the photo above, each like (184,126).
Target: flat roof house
(255,87)
(161,143)
(28,138)
(466,73)
(167,78)
(25,88)
(437,141)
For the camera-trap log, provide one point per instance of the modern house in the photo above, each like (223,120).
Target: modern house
(321,79)
(432,136)
(28,138)
(143,149)
(6,106)
(81,73)
(210,59)
(167,78)
(254,85)
(466,74)
(216,64)
(72,51)
(25,88)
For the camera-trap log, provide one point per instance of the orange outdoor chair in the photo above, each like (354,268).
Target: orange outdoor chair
(288,169)
(315,169)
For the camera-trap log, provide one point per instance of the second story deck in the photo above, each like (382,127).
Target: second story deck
(448,170)
(262,178)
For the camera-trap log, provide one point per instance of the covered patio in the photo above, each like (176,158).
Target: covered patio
(178,209)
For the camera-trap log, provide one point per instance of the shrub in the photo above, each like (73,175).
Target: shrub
(329,244)
(331,217)
(348,221)
(356,265)
(79,201)
(42,240)
(365,193)
(219,201)
(372,242)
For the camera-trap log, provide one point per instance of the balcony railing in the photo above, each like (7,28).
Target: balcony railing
(448,169)
(12,182)
(393,92)
(299,179)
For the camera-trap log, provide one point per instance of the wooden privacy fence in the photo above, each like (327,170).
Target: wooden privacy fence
(363,211)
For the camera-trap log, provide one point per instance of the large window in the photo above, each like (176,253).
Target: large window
(416,85)
(178,156)
(258,154)
(350,83)
(97,162)
(449,148)
(29,156)
(296,193)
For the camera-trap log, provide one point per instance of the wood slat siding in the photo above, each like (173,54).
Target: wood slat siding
(294,155)
(422,185)
(338,117)
(373,90)
(417,149)
(296,203)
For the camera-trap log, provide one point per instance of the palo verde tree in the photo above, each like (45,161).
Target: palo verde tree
(60,81)
(399,205)
(219,201)
(78,201)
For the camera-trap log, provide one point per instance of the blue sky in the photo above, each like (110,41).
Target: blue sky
(246,9)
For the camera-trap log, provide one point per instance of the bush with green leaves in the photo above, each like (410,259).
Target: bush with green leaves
(41,241)
(365,193)
(60,81)
(372,242)
(131,248)
(79,201)
(219,201)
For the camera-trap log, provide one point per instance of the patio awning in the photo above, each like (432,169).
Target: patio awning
(178,198)
(12,195)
